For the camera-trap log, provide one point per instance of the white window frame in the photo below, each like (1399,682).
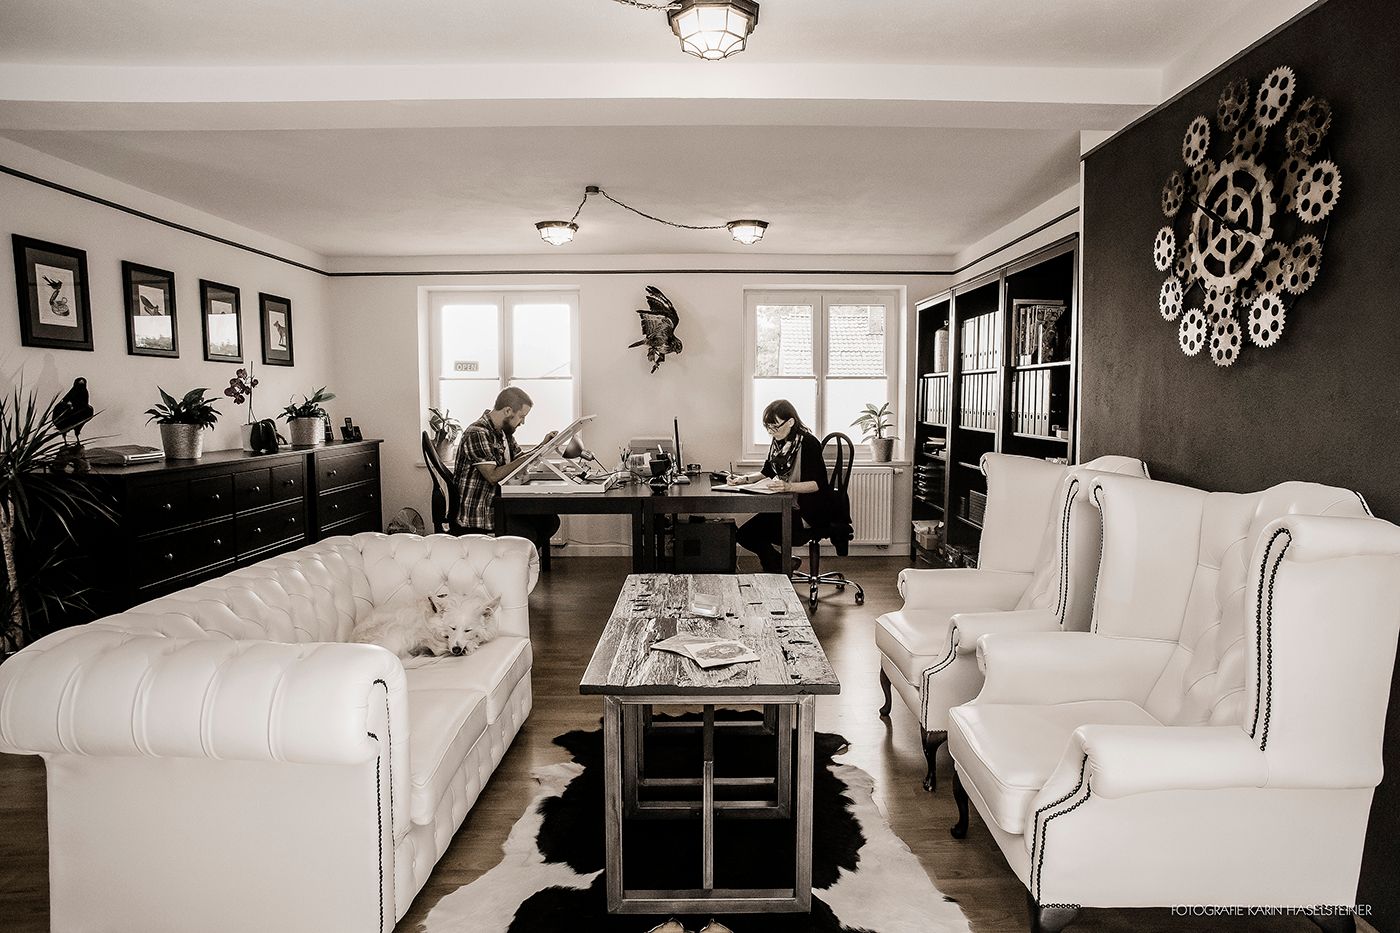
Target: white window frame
(820,300)
(438,299)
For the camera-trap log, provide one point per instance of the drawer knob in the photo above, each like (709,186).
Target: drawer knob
(291,521)
(370,497)
(167,506)
(369,465)
(289,482)
(333,473)
(217,541)
(168,556)
(335,507)
(257,489)
(215,497)
(258,530)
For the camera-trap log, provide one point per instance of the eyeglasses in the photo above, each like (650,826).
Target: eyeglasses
(773,429)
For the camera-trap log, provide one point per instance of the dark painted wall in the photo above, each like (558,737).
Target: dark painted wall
(1324,403)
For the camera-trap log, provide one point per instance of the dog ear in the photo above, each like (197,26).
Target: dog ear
(433,602)
(491,605)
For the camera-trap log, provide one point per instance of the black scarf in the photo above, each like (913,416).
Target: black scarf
(782,454)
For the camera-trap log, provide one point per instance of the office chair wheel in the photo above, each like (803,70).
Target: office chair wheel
(860,599)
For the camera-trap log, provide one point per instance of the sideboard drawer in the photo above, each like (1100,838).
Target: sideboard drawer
(210,497)
(288,481)
(345,503)
(252,488)
(334,472)
(159,506)
(213,544)
(263,529)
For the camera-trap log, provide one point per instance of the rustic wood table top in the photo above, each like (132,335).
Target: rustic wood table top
(655,606)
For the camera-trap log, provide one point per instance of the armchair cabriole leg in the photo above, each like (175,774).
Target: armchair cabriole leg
(1335,923)
(959,830)
(932,740)
(1050,918)
(885,686)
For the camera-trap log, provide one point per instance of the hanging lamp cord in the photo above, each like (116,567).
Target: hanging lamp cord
(628,207)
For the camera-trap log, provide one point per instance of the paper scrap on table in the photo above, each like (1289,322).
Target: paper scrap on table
(707,652)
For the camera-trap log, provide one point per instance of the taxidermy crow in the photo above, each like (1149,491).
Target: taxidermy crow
(658,328)
(72,411)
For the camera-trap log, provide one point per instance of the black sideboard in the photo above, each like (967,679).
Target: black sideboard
(183,521)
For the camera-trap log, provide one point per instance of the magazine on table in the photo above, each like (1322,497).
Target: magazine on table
(705,651)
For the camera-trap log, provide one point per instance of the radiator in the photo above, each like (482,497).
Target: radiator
(872,504)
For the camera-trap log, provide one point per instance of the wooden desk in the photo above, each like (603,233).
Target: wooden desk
(791,671)
(643,506)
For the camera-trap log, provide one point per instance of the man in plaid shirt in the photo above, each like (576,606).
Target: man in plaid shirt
(487,455)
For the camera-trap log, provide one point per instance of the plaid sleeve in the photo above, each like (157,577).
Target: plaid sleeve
(476,447)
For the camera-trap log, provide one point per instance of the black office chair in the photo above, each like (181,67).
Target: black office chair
(838,529)
(445,499)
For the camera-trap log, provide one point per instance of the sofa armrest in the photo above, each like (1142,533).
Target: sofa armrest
(106,692)
(1126,760)
(968,627)
(954,587)
(1065,667)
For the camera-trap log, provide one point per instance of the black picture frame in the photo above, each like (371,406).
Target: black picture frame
(277,348)
(44,319)
(212,294)
(147,293)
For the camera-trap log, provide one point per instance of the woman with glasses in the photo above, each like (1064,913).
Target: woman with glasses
(794,465)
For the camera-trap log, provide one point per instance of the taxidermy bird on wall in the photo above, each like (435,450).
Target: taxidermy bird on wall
(73,411)
(659,322)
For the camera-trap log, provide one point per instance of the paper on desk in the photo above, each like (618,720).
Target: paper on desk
(762,487)
(707,652)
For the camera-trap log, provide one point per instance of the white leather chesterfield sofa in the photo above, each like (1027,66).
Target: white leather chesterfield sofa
(1215,739)
(1035,572)
(221,760)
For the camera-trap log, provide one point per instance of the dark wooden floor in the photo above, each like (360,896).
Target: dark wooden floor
(566,615)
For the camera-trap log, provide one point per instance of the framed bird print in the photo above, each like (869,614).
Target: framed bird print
(223,324)
(275,314)
(150,311)
(51,282)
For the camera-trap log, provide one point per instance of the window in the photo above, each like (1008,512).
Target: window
(829,353)
(485,341)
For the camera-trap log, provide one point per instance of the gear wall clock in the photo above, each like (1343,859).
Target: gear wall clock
(1246,217)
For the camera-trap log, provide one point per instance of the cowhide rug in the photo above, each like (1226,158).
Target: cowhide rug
(864,878)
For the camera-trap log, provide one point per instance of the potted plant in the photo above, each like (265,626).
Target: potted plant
(41,509)
(875,422)
(182,423)
(446,429)
(307,418)
(240,389)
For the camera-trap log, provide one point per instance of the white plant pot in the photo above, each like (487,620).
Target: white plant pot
(246,431)
(308,432)
(182,441)
(882,449)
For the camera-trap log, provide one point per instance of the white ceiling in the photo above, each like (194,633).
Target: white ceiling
(446,128)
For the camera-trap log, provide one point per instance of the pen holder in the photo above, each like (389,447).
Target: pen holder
(660,474)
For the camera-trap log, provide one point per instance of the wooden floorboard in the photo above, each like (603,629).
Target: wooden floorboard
(567,612)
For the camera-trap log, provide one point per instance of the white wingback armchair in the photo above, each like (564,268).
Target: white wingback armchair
(221,760)
(1215,739)
(1035,572)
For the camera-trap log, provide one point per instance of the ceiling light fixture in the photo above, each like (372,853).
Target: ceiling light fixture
(559,232)
(708,29)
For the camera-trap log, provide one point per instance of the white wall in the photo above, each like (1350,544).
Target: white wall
(381,327)
(124,386)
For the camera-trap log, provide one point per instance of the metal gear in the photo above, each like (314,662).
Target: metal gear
(1302,265)
(1232,226)
(1233,105)
(1266,319)
(1164,248)
(1309,125)
(1173,194)
(1181,266)
(1200,176)
(1196,141)
(1319,191)
(1169,300)
(1294,171)
(1269,275)
(1219,304)
(1225,342)
(1191,332)
(1275,94)
(1249,141)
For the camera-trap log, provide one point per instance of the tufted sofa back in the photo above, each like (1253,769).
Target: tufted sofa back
(317,593)
(1174,569)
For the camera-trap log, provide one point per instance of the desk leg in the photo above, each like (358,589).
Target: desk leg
(639,542)
(806,756)
(613,768)
(787,535)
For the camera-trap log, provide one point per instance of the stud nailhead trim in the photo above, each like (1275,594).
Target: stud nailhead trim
(1088,792)
(1263,636)
(1036,840)
(1062,603)
(379,797)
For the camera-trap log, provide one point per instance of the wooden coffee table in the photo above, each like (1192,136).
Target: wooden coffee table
(792,671)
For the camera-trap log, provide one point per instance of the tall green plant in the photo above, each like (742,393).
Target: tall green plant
(40,515)
(874,421)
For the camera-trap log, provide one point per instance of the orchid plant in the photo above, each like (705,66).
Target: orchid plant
(240,389)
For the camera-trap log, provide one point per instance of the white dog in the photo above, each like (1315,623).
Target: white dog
(445,624)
